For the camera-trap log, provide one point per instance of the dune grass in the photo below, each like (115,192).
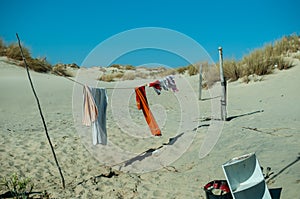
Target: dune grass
(264,60)
(258,62)
(2,48)
(110,77)
(61,70)
(12,51)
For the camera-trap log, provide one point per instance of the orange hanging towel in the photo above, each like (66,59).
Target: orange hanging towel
(142,103)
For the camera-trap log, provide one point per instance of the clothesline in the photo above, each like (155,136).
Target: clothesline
(95,101)
(84,85)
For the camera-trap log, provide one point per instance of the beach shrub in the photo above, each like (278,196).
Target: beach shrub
(232,70)
(38,65)
(17,186)
(281,63)
(117,66)
(73,65)
(129,67)
(119,75)
(181,70)
(106,78)
(110,77)
(257,63)
(61,70)
(13,52)
(129,76)
(262,61)
(192,69)
(2,48)
(286,45)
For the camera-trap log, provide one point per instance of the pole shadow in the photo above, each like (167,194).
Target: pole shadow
(245,114)
(209,98)
(150,151)
(286,167)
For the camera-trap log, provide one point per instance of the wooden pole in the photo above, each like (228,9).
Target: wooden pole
(223,86)
(200,81)
(40,110)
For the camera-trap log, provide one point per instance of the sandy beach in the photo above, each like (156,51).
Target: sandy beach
(264,117)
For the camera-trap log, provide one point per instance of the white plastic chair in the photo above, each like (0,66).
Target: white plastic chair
(245,178)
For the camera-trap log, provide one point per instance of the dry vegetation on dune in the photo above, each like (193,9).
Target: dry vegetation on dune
(264,60)
(259,62)
(12,52)
(117,72)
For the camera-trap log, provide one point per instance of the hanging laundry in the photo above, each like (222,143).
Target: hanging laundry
(166,83)
(94,113)
(90,111)
(99,125)
(171,83)
(163,84)
(142,103)
(156,86)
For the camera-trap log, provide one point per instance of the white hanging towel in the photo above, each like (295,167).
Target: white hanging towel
(99,125)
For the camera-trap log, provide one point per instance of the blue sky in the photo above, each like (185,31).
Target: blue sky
(67,31)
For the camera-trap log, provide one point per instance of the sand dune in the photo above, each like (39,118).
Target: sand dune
(264,118)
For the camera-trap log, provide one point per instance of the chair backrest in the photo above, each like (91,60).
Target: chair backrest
(245,178)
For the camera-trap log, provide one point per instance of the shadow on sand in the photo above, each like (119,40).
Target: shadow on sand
(286,167)
(245,114)
(149,152)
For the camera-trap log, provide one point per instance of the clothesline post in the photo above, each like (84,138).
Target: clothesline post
(200,81)
(41,113)
(223,87)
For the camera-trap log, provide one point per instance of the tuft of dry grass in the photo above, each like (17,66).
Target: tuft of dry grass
(117,66)
(286,45)
(182,70)
(281,63)
(38,65)
(192,69)
(119,75)
(2,48)
(232,70)
(257,63)
(61,70)
(73,65)
(106,78)
(130,67)
(129,76)
(13,52)
(262,61)
(110,77)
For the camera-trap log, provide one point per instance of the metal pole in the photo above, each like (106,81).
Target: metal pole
(200,81)
(223,86)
